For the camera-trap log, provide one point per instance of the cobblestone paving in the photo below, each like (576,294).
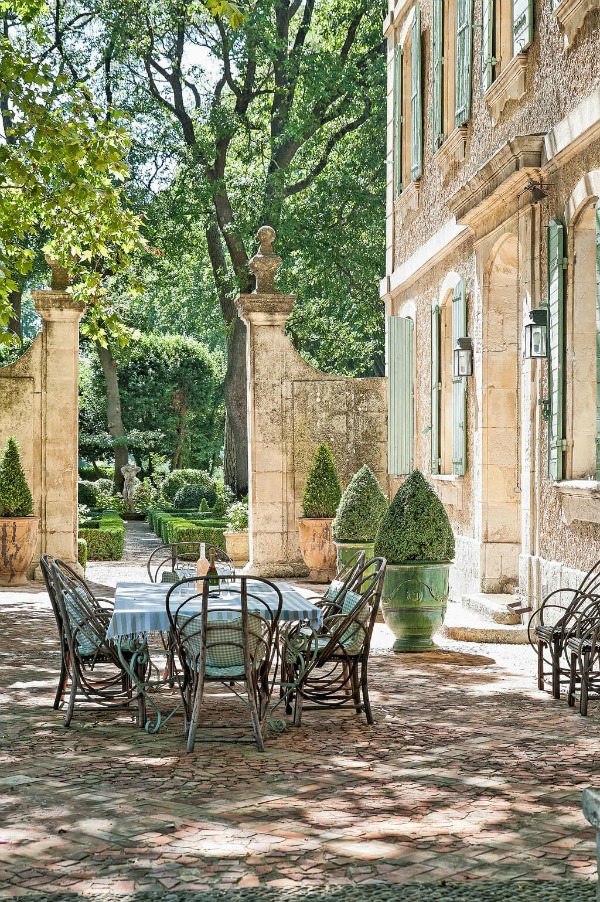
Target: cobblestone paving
(469,778)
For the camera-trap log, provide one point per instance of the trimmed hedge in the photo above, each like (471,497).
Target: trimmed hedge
(361,508)
(106,540)
(184,531)
(82,552)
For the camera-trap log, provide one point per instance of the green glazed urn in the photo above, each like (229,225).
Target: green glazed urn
(414,602)
(345,550)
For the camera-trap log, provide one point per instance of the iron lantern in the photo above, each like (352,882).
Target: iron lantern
(536,334)
(462,364)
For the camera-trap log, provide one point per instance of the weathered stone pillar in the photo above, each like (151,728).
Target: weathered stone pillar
(271,501)
(59,422)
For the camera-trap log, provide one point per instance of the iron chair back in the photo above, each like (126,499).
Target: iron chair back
(229,640)
(182,557)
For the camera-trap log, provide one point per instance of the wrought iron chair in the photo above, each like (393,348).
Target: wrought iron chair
(552,624)
(583,654)
(331,600)
(228,640)
(330,667)
(93,666)
(170,563)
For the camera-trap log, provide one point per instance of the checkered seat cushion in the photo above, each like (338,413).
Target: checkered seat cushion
(224,645)
(89,630)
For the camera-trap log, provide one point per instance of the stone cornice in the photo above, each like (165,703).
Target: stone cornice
(491,193)
(510,85)
(57,306)
(266,309)
(407,204)
(571,14)
(579,500)
(452,151)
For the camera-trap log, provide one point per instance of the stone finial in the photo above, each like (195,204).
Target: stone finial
(60,277)
(265,263)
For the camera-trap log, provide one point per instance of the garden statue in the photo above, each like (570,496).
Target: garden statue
(129,471)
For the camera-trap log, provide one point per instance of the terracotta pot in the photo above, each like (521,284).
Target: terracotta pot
(238,547)
(318,550)
(18,536)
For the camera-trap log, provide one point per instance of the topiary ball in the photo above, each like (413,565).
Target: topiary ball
(87,493)
(415,527)
(322,491)
(361,508)
(189,497)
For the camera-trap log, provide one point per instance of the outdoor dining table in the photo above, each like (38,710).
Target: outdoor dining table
(141,609)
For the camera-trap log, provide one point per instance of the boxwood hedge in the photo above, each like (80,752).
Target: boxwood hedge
(106,540)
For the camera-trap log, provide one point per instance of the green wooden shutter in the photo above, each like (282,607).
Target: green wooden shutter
(556,441)
(598,340)
(459,385)
(488,60)
(437,77)
(522,24)
(464,44)
(400,395)
(436,389)
(416,103)
(397,120)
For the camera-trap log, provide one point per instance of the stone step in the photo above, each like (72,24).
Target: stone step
(493,607)
(466,625)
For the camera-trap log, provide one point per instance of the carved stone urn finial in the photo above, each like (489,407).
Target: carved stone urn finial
(60,277)
(265,263)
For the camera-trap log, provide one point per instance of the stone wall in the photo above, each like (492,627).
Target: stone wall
(38,405)
(293,407)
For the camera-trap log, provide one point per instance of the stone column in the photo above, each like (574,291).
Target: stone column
(59,422)
(265,313)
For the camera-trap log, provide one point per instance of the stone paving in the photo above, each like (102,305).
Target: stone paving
(469,778)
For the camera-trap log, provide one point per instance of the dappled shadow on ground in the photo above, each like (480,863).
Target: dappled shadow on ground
(469,774)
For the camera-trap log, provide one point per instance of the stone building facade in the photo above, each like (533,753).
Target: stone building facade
(493,155)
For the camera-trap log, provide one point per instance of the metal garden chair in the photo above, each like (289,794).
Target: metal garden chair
(170,563)
(230,640)
(331,600)
(92,666)
(583,655)
(552,624)
(330,667)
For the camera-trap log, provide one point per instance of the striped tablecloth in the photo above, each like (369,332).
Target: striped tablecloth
(141,607)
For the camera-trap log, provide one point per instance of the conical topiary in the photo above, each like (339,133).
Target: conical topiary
(15,497)
(415,527)
(322,491)
(361,508)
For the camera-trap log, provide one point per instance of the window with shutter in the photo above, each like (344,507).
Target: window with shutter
(598,340)
(522,24)
(556,442)
(436,389)
(437,79)
(459,384)
(400,354)
(416,99)
(464,48)
(397,120)
(488,60)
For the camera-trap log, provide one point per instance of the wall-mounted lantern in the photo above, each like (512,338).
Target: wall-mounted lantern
(462,363)
(536,334)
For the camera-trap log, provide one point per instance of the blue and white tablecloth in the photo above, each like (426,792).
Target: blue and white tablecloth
(141,607)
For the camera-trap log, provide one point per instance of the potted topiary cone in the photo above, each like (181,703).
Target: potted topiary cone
(319,504)
(416,539)
(358,516)
(18,526)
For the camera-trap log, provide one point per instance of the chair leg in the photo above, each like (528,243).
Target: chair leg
(572,680)
(365,695)
(298,708)
(540,664)
(555,669)
(252,690)
(356,688)
(62,685)
(191,739)
(583,697)
(71,704)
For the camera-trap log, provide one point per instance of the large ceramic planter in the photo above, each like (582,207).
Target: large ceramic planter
(238,547)
(414,603)
(345,550)
(18,536)
(318,550)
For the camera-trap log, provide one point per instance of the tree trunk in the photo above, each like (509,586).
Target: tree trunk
(14,324)
(114,418)
(229,475)
(180,407)
(236,402)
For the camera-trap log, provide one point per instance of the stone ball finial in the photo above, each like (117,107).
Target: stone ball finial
(60,276)
(265,263)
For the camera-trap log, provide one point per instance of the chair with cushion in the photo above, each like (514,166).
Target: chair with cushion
(230,640)
(331,600)
(97,673)
(171,563)
(329,667)
(582,653)
(554,622)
